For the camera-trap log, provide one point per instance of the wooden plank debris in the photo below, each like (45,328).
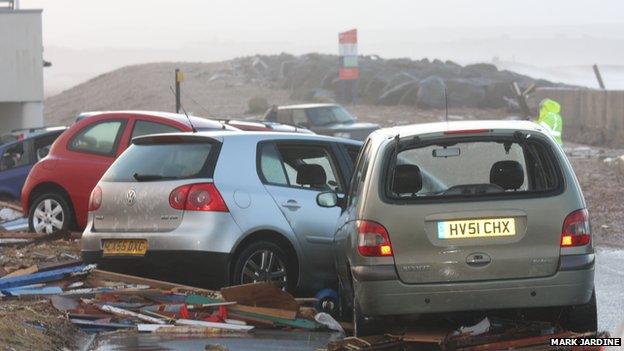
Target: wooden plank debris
(275,321)
(226,326)
(13,206)
(260,295)
(523,342)
(126,313)
(23,271)
(157,284)
(272,312)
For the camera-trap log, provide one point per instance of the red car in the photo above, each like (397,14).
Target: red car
(56,192)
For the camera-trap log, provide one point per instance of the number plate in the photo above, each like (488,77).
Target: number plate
(477,228)
(125,247)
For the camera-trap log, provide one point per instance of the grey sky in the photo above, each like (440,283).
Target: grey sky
(166,24)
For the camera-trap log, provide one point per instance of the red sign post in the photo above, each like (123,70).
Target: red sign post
(348,71)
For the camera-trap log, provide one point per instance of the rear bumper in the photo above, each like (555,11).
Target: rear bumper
(382,293)
(196,268)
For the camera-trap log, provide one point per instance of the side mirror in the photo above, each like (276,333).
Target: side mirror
(327,199)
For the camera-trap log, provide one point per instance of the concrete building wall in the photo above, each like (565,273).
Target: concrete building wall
(589,116)
(21,69)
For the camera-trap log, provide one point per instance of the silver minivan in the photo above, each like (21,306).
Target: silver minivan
(464,216)
(219,208)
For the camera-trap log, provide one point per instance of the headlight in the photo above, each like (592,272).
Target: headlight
(343,135)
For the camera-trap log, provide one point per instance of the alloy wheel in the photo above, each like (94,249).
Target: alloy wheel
(264,266)
(48,217)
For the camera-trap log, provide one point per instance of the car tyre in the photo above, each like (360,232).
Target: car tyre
(50,213)
(581,318)
(265,261)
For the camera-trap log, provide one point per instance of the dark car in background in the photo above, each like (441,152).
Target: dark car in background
(326,119)
(18,157)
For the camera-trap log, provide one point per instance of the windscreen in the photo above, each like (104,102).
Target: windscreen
(153,162)
(329,115)
(473,168)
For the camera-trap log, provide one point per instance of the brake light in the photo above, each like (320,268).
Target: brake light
(373,239)
(177,198)
(95,200)
(466,131)
(576,229)
(197,197)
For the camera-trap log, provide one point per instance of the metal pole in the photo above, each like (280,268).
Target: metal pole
(177,89)
(599,77)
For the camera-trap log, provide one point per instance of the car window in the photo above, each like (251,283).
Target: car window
(472,168)
(144,162)
(292,159)
(271,165)
(353,152)
(14,156)
(43,144)
(359,173)
(100,138)
(299,118)
(322,116)
(146,127)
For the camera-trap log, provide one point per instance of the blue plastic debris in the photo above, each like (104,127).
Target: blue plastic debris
(50,290)
(327,301)
(43,277)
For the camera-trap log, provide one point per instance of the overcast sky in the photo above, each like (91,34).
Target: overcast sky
(166,24)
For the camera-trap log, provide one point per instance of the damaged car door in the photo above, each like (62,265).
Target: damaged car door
(294,174)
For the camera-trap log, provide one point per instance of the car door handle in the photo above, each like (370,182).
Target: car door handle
(291,205)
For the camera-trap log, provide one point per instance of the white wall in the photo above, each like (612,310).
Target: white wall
(21,56)
(15,115)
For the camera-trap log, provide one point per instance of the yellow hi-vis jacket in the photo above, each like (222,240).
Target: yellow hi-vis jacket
(550,118)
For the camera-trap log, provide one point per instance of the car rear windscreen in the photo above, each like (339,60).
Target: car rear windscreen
(473,168)
(153,162)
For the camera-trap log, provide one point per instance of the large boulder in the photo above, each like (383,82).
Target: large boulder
(257,105)
(496,94)
(431,93)
(464,93)
(480,70)
(374,89)
(394,95)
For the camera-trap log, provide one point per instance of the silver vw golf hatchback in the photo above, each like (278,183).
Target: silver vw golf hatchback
(219,208)
(464,216)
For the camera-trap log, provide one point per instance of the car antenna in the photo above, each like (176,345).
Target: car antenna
(186,114)
(445,104)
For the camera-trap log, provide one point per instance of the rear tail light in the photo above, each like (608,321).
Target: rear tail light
(197,197)
(576,229)
(95,200)
(373,239)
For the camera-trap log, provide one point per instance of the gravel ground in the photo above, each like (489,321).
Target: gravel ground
(603,189)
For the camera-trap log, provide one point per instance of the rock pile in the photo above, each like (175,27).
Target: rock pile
(390,81)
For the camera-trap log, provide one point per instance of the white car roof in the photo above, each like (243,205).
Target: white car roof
(303,106)
(441,127)
(259,136)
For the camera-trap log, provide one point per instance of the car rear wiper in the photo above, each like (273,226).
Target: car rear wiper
(150,177)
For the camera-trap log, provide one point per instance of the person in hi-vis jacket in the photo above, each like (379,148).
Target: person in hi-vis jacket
(550,118)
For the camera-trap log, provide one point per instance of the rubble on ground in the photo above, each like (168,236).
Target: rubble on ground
(88,300)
